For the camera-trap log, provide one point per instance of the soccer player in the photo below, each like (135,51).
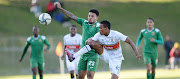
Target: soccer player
(107,44)
(152,37)
(89,27)
(37,57)
(72,42)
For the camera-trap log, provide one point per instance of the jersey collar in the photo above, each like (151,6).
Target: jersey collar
(35,37)
(150,30)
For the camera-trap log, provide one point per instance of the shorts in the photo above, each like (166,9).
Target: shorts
(89,64)
(72,65)
(151,58)
(114,64)
(37,63)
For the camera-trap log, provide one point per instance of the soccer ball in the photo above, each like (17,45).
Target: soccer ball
(45,19)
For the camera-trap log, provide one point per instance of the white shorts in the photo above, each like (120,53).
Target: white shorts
(72,65)
(114,64)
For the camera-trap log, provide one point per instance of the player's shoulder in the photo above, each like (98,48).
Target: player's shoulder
(143,30)
(79,35)
(67,35)
(29,38)
(115,32)
(157,30)
(43,37)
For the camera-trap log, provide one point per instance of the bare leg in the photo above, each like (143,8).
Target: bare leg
(90,74)
(40,73)
(34,71)
(114,76)
(82,74)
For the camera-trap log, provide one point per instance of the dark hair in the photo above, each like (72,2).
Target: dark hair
(106,24)
(151,19)
(73,26)
(94,11)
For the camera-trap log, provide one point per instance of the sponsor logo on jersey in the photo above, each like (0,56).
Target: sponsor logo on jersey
(153,33)
(40,40)
(112,47)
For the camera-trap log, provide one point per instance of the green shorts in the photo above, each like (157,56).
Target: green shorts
(37,63)
(151,58)
(89,64)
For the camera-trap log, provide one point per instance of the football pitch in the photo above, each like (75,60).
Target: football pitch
(124,74)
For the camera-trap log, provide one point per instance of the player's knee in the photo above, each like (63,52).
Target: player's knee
(89,75)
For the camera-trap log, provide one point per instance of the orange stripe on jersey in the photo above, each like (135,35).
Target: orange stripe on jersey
(72,46)
(112,47)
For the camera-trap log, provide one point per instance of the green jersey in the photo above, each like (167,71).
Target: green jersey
(36,46)
(150,47)
(88,31)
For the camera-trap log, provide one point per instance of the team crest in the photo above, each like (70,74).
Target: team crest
(40,40)
(153,33)
(93,26)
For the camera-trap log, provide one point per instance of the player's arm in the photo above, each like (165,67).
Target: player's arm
(139,39)
(159,39)
(67,13)
(47,44)
(64,53)
(25,50)
(133,47)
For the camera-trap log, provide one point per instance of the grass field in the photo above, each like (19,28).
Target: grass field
(124,74)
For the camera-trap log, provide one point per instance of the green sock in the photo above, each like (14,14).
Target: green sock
(41,76)
(153,75)
(148,75)
(34,76)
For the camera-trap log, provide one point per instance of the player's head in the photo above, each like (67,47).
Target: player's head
(104,27)
(73,30)
(36,30)
(93,16)
(150,22)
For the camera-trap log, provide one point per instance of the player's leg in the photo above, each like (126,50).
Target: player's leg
(91,45)
(34,66)
(147,61)
(115,67)
(154,62)
(114,76)
(40,68)
(82,68)
(76,61)
(70,67)
(91,67)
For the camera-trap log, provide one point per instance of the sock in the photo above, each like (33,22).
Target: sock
(41,76)
(153,76)
(148,75)
(34,76)
(83,50)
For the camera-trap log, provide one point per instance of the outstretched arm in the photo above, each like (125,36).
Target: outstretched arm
(67,13)
(138,56)
(25,50)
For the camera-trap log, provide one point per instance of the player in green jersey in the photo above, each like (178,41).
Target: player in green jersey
(89,61)
(37,57)
(152,37)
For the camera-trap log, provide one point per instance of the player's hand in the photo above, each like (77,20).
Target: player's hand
(137,48)
(62,58)
(45,50)
(152,39)
(58,5)
(20,60)
(139,57)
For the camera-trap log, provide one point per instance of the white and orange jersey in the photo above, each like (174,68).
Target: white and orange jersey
(72,43)
(111,43)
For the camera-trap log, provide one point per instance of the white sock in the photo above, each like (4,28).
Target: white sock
(83,50)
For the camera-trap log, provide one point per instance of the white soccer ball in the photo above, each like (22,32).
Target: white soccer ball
(45,19)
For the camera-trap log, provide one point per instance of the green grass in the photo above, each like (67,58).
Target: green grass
(16,24)
(124,74)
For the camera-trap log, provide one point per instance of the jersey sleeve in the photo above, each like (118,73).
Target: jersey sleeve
(64,39)
(121,36)
(159,39)
(26,47)
(46,42)
(80,20)
(80,41)
(95,38)
(140,38)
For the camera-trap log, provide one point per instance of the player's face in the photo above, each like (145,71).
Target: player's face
(36,31)
(73,30)
(102,29)
(150,23)
(92,17)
